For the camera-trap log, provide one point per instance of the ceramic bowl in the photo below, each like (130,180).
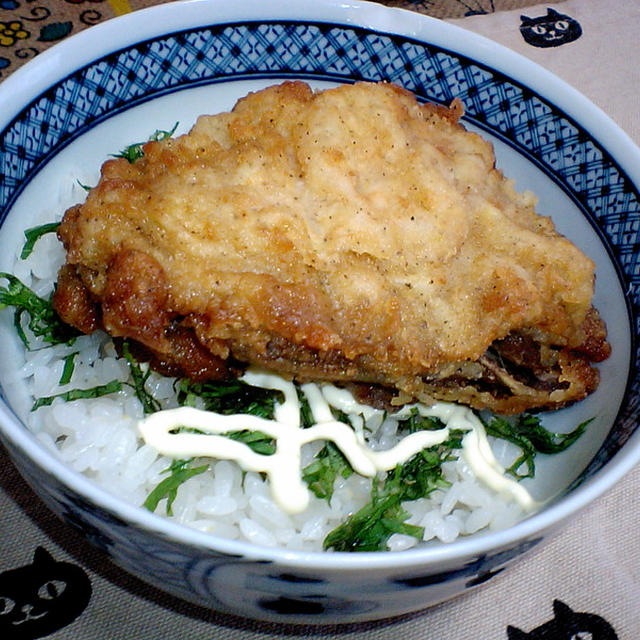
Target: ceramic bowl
(99,89)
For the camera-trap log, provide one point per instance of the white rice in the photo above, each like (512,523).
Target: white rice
(99,438)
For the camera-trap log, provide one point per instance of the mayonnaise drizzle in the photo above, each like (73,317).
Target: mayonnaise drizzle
(283,467)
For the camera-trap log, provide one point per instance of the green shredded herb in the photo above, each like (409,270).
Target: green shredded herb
(320,475)
(230,397)
(526,431)
(79,394)
(256,440)
(34,234)
(306,416)
(43,321)
(415,422)
(370,528)
(67,369)
(135,151)
(139,377)
(180,471)
(131,153)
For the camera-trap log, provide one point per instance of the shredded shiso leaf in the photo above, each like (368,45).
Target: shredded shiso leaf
(34,234)
(320,475)
(229,397)
(139,377)
(68,368)
(370,528)
(527,432)
(135,151)
(180,471)
(79,394)
(37,312)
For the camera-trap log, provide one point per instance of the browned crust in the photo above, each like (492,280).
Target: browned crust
(518,373)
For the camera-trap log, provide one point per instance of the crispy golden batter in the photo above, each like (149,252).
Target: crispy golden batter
(351,235)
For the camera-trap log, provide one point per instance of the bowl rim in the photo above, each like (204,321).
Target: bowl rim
(28,82)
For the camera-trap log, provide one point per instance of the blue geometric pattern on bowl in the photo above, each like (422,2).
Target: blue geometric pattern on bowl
(531,125)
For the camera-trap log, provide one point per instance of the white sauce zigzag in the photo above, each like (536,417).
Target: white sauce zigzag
(284,466)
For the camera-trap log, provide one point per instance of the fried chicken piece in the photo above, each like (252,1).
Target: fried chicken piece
(351,235)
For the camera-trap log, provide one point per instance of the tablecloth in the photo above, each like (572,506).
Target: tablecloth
(28,27)
(592,566)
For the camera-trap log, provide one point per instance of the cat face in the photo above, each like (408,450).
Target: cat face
(551,30)
(42,597)
(567,624)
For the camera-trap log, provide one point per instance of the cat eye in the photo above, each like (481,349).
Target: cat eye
(538,29)
(562,25)
(582,635)
(6,605)
(51,589)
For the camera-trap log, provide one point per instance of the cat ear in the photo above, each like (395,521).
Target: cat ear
(514,633)
(552,13)
(561,610)
(526,19)
(41,555)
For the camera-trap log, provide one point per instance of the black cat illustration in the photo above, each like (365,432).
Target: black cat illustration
(42,597)
(567,624)
(551,30)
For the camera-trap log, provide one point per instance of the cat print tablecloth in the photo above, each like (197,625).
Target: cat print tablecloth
(584,583)
(28,27)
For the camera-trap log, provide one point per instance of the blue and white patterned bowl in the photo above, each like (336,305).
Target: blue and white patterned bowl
(93,93)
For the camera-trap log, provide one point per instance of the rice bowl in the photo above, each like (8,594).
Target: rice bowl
(271,582)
